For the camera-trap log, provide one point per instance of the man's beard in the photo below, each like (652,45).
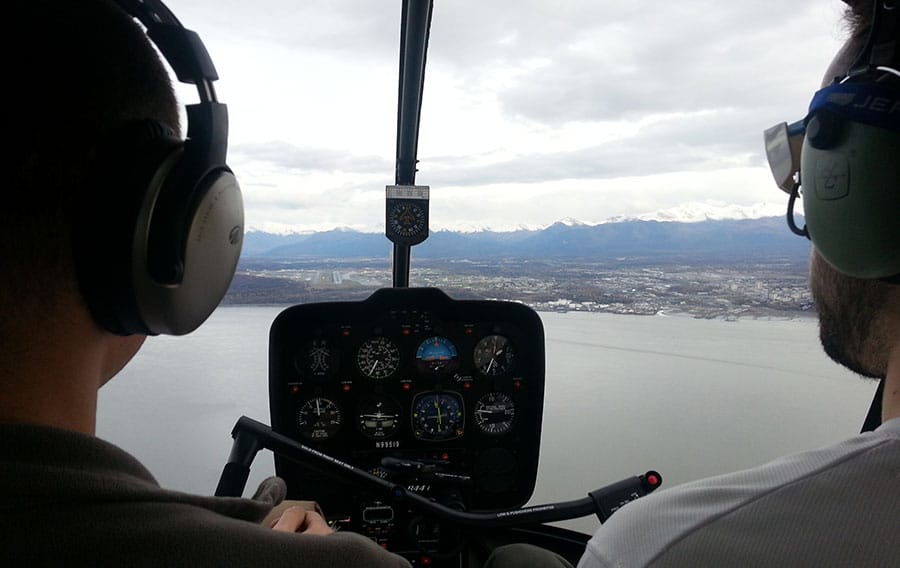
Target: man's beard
(849,319)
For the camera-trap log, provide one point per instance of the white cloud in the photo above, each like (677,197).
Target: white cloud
(533,110)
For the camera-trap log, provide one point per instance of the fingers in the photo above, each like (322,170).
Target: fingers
(299,520)
(276,511)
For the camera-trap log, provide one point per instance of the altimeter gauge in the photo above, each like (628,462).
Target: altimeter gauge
(378,358)
(494,413)
(319,419)
(494,355)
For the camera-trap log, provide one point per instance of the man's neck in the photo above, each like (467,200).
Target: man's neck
(50,393)
(51,375)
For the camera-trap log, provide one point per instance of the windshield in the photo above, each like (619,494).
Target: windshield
(601,162)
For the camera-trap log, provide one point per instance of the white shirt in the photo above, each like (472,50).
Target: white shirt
(837,506)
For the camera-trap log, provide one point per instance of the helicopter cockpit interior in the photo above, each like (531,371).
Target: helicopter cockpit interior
(411,417)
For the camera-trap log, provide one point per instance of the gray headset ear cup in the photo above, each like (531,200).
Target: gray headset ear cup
(213,239)
(851,200)
(127,171)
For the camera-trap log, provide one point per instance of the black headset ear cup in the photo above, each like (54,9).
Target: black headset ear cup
(128,169)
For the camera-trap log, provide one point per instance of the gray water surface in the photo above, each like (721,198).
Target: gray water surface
(687,397)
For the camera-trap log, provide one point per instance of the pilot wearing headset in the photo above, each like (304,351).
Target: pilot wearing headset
(113,228)
(837,506)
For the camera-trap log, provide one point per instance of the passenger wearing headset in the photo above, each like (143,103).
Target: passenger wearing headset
(113,228)
(837,506)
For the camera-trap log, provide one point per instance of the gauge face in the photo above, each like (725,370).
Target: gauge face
(494,413)
(407,219)
(438,416)
(494,355)
(319,419)
(378,358)
(437,355)
(317,360)
(379,417)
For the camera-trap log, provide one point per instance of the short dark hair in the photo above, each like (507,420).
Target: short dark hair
(858,17)
(87,69)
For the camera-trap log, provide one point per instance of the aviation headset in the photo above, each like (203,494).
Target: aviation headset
(162,255)
(846,156)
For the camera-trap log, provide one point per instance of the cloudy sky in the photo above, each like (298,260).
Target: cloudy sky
(534,110)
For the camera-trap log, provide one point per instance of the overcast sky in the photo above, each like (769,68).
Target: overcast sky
(534,110)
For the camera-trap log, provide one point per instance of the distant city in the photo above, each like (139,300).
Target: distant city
(758,289)
(730,270)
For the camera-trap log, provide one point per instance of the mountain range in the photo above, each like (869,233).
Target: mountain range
(766,237)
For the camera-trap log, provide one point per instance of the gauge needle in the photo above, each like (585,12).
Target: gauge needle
(438,412)
(374,365)
(318,410)
(491,364)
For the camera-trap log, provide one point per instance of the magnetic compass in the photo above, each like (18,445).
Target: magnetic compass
(407,219)
(406,213)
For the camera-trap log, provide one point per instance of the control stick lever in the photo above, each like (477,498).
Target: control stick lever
(251,436)
(423,470)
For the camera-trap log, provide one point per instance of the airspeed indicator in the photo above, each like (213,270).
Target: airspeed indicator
(378,358)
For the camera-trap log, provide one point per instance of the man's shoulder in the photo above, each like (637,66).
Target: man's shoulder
(160,533)
(798,502)
(80,500)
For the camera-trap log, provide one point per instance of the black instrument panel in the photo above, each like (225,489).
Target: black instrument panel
(444,396)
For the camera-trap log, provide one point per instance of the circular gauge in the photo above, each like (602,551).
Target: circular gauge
(319,419)
(438,416)
(378,358)
(493,355)
(494,413)
(379,416)
(407,219)
(316,361)
(437,355)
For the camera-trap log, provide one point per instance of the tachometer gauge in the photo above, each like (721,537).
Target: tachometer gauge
(316,361)
(494,413)
(378,358)
(379,416)
(437,355)
(438,416)
(493,355)
(319,419)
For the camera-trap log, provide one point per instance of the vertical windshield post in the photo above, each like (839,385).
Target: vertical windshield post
(406,205)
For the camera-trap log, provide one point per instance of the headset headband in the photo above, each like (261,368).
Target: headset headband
(167,258)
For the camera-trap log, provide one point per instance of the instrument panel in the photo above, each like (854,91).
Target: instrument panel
(442,395)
